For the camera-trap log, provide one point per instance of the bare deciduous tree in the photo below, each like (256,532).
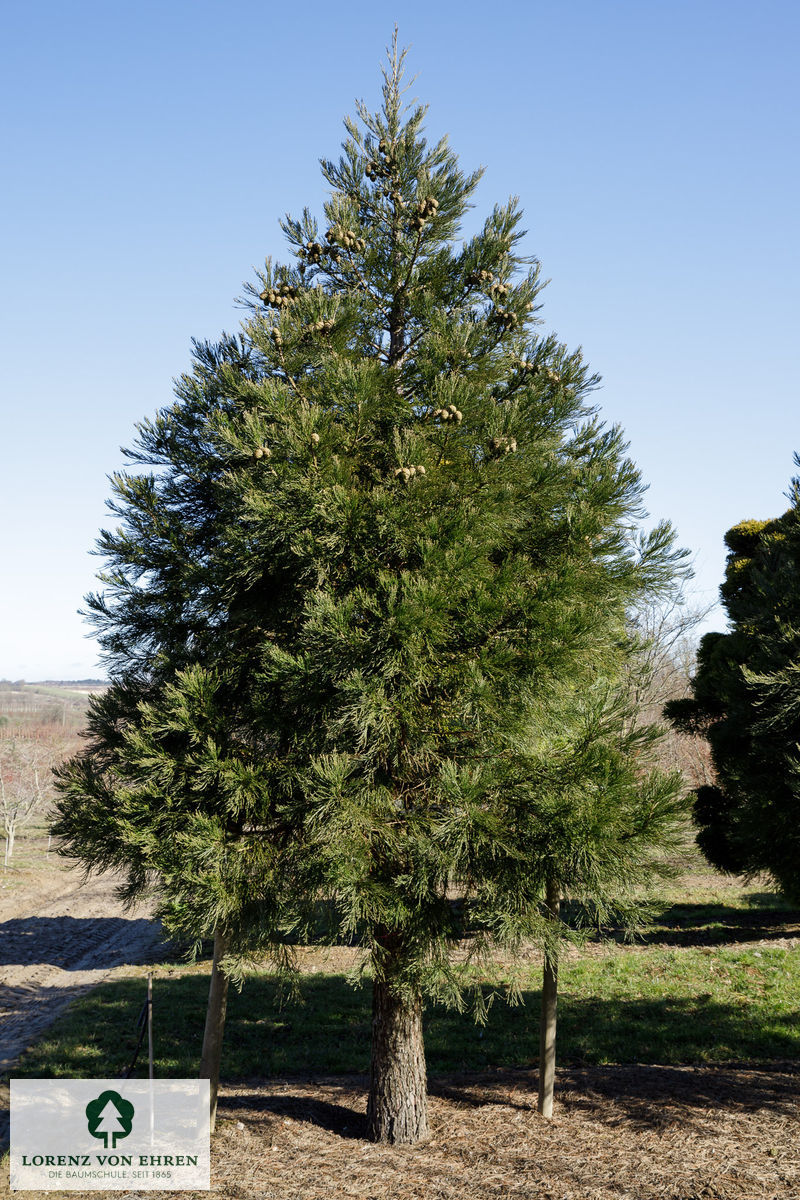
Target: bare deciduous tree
(667,633)
(25,784)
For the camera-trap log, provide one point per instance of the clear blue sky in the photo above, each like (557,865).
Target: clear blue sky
(149,150)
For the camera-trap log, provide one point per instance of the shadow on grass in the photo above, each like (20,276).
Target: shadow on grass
(329,1033)
(708,924)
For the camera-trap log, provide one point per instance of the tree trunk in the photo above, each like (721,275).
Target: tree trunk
(547,1030)
(215,1024)
(397,1111)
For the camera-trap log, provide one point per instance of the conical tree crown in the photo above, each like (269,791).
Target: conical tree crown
(388,517)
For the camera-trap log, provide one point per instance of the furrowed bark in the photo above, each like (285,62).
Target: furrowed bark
(397,1110)
(215,1024)
(547,1028)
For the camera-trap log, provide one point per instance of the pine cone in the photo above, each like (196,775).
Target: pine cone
(504,317)
(501,445)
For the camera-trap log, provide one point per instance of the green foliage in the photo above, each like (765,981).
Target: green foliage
(746,701)
(368,596)
(175,795)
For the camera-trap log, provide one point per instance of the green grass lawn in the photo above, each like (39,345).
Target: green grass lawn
(652,1005)
(699,986)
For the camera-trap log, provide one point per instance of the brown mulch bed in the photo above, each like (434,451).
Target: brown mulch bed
(627,1133)
(618,1133)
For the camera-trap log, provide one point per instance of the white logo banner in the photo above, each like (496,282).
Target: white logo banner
(88,1135)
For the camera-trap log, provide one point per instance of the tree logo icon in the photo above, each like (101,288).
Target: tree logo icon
(109,1116)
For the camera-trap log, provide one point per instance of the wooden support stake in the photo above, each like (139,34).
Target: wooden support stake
(547,1029)
(150,1022)
(211,1059)
(150,1052)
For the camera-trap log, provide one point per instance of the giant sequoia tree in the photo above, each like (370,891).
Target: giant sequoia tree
(746,701)
(389,521)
